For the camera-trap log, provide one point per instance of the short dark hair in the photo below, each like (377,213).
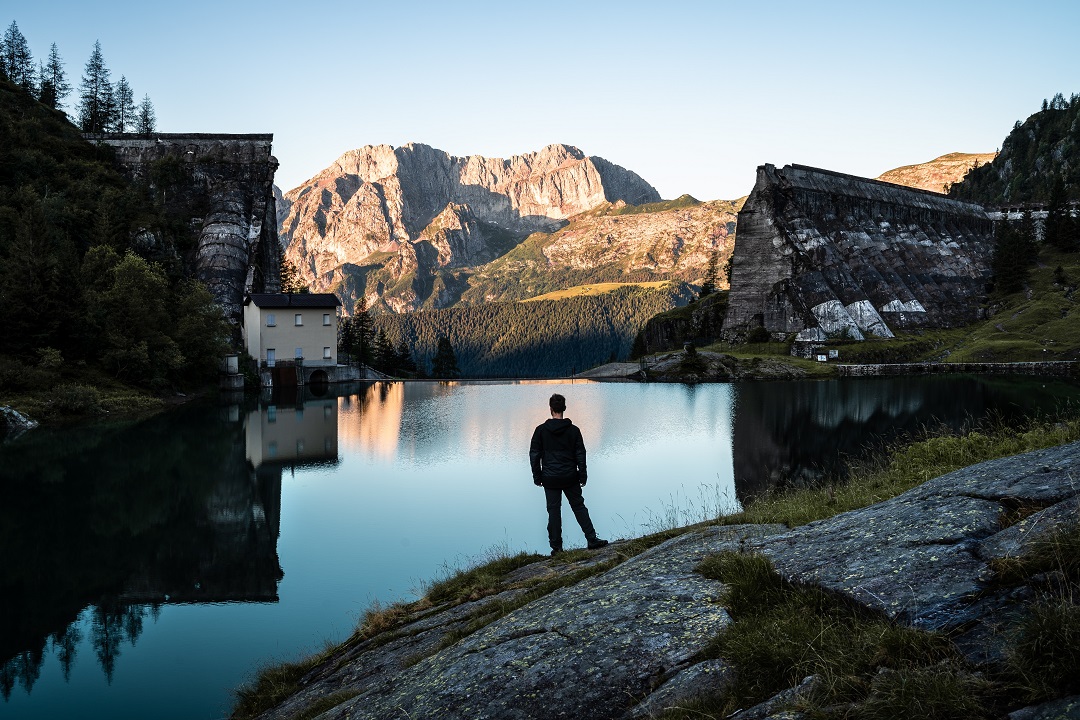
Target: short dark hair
(557,403)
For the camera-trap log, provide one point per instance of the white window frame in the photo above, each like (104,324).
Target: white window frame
(271,320)
(299,353)
(271,357)
(326,319)
(298,320)
(326,353)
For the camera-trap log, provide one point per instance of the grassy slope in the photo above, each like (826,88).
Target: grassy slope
(1040,323)
(596,289)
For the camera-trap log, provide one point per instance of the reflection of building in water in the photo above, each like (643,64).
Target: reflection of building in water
(293,434)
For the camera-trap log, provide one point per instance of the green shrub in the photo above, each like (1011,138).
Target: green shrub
(76,399)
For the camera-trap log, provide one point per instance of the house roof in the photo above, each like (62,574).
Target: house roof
(295,300)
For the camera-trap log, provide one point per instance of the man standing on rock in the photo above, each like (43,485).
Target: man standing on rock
(557,456)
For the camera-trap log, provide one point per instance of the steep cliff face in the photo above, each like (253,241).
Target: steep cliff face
(225,185)
(938,174)
(825,255)
(405,216)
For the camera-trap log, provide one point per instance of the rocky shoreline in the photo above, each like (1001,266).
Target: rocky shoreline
(626,640)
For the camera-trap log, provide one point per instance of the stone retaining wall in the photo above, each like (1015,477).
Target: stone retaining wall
(1055,368)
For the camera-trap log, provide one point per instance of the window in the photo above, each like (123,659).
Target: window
(326,319)
(299,319)
(299,354)
(271,320)
(271,357)
(326,353)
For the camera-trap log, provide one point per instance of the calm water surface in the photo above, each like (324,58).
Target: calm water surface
(148,568)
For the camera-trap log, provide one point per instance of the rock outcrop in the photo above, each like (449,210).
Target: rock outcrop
(625,641)
(821,255)
(13,423)
(414,212)
(224,186)
(939,174)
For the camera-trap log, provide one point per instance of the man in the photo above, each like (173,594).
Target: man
(557,456)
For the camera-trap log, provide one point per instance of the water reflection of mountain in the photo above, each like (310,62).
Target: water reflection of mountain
(100,525)
(797,433)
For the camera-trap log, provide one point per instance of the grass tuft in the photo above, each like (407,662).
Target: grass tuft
(938,692)
(1045,649)
(478,582)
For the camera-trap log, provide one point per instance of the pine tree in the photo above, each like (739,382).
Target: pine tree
(146,123)
(54,84)
(384,357)
(95,93)
(404,360)
(1059,230)
(362,350)
(1011,260)
(290,278)
(17,62)
(708,285)
(444,364)
(125,106)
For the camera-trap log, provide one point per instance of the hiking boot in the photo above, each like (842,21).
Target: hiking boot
(597,543)
(557,551)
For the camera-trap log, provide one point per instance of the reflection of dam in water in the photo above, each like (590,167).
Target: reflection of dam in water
(801,433)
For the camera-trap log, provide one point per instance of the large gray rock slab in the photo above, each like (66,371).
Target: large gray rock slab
(591,650)
(923,557)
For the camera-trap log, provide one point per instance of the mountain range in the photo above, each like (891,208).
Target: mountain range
(404,227)
(414,227)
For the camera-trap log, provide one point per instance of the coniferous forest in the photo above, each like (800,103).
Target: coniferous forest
(541,338)
(95,273)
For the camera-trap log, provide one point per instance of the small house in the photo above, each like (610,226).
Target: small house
(293,329)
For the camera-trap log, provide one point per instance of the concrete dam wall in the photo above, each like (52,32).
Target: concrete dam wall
(822,255)
(225,186)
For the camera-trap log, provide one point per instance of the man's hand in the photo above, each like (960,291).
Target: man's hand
(538,482)
(582,480)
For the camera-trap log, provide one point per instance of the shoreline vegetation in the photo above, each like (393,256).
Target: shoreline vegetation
(770,635)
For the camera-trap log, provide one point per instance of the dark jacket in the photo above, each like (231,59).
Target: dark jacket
(557,454)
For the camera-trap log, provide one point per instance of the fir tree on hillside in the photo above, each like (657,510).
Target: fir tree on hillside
(125,106)
(1014,254)
(15,59)
(146,122)
(96,101)
(54,87)
(444,364)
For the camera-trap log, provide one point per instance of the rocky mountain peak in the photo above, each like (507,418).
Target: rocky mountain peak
(381,199)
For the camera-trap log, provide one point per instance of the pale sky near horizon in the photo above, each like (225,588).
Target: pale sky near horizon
(692,96)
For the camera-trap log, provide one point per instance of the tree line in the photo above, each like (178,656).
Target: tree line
(545,338)
(95,271)
(102,105)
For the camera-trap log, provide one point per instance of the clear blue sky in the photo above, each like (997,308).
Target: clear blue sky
(690,95)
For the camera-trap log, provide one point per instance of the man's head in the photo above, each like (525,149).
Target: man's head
(557,403)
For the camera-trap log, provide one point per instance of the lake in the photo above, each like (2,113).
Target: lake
(151,567)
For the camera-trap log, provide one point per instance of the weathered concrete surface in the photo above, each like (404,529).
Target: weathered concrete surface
(224,184)
(821,254)
(626,643)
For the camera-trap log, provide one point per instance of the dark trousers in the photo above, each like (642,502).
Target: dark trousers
(554,507)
